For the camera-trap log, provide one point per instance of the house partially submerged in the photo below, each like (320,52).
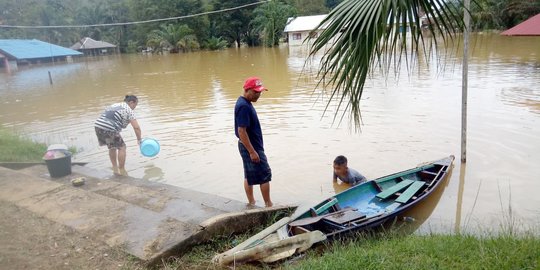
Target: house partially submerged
(90,46)
(300,28)
(530,27)
(15,52)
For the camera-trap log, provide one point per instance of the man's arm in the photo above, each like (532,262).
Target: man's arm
(137,130)
(244,138)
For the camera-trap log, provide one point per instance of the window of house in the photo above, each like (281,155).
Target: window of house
(297,36)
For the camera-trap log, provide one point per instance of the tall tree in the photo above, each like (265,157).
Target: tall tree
(234,25)
(364,33)
(270,20)
(332,3)
(310,7)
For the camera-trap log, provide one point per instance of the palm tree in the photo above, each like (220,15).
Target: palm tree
(216,43)
(188,43)
(365,34)
(174,36)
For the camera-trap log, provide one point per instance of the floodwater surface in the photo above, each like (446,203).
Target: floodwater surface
(186,102)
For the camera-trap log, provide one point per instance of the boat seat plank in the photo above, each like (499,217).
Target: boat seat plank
(428,172)
(345,217)
(395,188)
(312,220)
(410,191)
(325,206)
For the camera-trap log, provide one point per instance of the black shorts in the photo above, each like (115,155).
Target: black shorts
(255,173)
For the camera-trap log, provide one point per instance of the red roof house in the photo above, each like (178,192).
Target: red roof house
(530,27)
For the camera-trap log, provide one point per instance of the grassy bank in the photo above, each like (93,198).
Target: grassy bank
(15,148)
(389,251)
(428,252)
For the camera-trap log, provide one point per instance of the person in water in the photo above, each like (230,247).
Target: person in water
(346,174)
(108,126)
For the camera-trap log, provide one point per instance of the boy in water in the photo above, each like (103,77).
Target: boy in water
(346,174)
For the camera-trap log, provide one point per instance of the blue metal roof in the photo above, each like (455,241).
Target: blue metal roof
(31,49)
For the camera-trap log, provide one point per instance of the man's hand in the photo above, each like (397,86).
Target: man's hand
(255,157)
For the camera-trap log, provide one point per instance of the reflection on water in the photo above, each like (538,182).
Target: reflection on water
(187,101)
(340,186)
(421,212)
(462,172)
(153,173)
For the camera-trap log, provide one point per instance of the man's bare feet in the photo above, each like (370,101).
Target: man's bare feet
(269,204)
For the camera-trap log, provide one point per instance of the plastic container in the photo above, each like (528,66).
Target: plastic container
(149,147)
(58,163)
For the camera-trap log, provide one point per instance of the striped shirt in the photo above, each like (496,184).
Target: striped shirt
(115,118)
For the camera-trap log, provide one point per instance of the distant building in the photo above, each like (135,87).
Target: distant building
(15,52)
(89,46)
(530,27)
(300,28)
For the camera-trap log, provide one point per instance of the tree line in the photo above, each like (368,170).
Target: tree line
(255,25)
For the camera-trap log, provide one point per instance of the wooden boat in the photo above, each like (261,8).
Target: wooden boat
(360,207)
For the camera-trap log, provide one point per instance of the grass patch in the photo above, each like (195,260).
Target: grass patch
(15,148)
(428,252)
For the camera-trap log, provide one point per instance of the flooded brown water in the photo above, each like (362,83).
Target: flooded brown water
(187,100)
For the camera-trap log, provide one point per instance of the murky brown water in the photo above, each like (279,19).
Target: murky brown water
(187,100)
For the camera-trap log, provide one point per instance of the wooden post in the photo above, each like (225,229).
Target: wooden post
(465,80)
(6,64)
(50,78)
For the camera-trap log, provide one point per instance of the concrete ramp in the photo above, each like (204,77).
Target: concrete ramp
(146,219)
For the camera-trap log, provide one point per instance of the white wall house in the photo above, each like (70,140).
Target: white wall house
(299,28)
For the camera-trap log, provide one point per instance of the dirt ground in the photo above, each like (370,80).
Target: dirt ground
(28,241)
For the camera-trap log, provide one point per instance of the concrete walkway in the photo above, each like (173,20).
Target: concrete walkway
(146,219)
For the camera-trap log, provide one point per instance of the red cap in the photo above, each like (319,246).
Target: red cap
(255,84)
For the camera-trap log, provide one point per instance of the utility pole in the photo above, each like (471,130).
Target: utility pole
(465,79)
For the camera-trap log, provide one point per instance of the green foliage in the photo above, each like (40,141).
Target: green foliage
(429,252)
(365,33)
(234,25)
(310,7)
(502,14)
(216,43)
(174,37)
(15,148)
(332,3)
(270,20)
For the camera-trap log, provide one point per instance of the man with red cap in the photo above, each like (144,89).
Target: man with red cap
(248,130)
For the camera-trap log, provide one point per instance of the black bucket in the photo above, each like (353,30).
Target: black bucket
(59,167)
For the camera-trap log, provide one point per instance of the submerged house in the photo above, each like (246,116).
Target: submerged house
(15,52)
(90,46)
(530,27)
(300,28)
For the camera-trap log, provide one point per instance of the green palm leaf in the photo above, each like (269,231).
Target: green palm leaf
(363,34)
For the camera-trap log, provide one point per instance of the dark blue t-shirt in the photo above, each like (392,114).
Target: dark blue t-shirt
(246,116)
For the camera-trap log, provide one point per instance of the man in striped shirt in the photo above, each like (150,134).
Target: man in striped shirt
(108,126)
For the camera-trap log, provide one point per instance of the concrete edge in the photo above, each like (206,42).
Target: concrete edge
(24,165)
(228,223)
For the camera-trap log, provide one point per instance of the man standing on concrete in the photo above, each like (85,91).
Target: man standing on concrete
(248,129)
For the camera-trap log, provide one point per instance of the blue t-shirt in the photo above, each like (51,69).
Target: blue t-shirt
(246,116)
(353,177)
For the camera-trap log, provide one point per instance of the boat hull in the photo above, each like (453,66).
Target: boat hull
(359,208)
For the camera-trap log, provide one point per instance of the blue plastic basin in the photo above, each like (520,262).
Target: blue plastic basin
(149,147)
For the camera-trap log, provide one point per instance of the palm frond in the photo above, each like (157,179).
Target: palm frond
(363,34)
